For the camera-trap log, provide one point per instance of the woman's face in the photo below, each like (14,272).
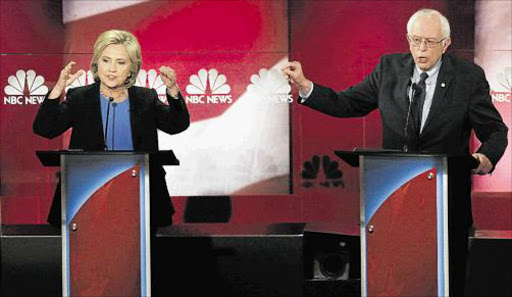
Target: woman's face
(114,66)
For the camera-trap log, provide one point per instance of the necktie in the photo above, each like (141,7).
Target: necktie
(418,99)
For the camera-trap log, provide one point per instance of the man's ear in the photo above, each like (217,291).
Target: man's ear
(446,44)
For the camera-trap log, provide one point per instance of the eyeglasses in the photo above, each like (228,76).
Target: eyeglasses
(417,41)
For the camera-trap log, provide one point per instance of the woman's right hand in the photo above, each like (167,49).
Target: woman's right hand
(65,79)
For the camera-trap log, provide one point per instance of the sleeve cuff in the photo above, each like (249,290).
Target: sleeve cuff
(304,97)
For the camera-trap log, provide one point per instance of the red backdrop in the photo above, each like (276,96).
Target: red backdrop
(338,42)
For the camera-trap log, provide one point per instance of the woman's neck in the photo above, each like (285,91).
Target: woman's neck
(119,94)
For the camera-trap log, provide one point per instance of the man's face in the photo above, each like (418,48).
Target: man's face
(429,50)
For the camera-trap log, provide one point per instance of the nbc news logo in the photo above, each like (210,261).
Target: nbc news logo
(22,82)
(199,84)
(270,85)
(505,80)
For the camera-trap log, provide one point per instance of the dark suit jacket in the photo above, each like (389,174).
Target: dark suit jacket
(81,111)
(461,103)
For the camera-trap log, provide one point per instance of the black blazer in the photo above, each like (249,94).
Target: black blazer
(81,111)
(461,103)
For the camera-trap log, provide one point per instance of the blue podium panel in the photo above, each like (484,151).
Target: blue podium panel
(105,225)
(404,225)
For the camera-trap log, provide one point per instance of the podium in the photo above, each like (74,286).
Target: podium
(105,223)
(404,220)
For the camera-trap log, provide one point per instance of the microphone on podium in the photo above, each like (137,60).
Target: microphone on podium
(416,92)
(110,100)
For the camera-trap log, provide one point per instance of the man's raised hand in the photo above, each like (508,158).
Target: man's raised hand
(295,75)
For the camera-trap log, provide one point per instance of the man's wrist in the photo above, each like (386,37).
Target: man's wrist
(305,88)
(173,92)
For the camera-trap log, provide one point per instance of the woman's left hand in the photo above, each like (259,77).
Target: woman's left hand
(169,78)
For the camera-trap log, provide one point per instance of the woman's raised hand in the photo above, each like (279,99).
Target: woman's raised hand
(65,79)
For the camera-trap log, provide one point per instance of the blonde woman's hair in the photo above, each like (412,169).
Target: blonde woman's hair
(132,46)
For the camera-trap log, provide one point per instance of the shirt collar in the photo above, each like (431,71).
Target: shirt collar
(432,72)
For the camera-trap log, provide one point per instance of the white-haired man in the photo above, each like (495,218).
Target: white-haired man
(429,101)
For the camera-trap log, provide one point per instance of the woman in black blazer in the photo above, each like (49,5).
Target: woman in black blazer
(115,64)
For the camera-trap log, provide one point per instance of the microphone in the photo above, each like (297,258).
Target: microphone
(416,92)
(114,105)
(110,100)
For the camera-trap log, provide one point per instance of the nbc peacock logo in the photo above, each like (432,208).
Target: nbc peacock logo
(83,80)
(270,85)
(208,87)
(331,177)
(25,88)
(151,79)
(147,79)
(503,93)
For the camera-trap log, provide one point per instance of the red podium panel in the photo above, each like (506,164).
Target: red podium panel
(105,220)
(404,222)
(403,239)
(108,220)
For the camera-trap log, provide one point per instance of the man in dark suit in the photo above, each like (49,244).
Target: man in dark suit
(429,101)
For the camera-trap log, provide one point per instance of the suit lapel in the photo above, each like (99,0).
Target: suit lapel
(94,96)
(134,101)
(446,74)
(404,80)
